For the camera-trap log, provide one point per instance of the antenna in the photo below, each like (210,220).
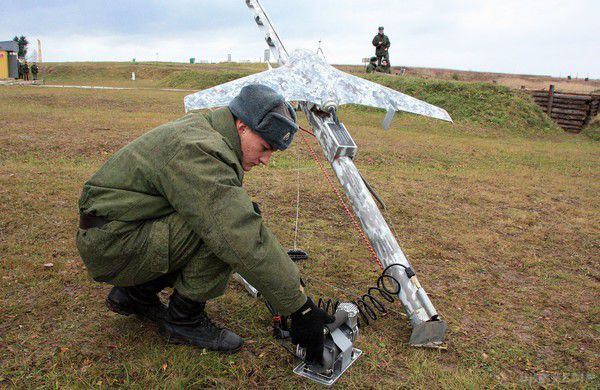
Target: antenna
(264,23)
(320,50)
(39,51)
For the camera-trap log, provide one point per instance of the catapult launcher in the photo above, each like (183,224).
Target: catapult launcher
(319,88)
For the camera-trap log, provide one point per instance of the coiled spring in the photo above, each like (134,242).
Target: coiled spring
(368,305)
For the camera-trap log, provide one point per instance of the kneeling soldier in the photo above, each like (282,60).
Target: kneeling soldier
(384,68)
(372,65)
(169,209)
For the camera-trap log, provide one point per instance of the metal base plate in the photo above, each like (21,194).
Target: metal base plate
(303,370)
(428,334)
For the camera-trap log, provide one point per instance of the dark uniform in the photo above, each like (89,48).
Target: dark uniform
(382,45)
(372,67)
(384,67)
(176,206)
(25,72)
(34,71)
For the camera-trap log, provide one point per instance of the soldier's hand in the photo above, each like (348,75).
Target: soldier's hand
(380,42)
(307,330)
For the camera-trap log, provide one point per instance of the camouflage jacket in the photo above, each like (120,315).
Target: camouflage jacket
(384,69)
(371,67)
(192,167)
(380,48)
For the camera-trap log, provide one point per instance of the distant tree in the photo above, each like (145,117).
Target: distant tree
(22,42)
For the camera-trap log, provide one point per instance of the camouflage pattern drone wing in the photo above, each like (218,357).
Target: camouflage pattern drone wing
(307,77)
(221,95)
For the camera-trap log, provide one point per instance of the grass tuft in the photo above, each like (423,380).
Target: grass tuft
(592,130)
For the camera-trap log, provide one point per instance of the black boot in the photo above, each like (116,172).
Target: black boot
(187,323)
(141,300)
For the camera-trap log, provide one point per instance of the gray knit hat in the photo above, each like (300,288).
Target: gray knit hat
(267,113)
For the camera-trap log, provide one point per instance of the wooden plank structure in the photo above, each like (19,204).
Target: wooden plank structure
(571,111)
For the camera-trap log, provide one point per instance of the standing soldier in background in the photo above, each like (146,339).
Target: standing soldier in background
(372,65)
(25,71)
(20,66)
(382,45)
(34,70)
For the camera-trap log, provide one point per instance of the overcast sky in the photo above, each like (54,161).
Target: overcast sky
(533,37)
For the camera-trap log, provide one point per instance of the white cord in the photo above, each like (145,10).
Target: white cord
(297,194)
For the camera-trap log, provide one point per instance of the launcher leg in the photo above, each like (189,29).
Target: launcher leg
(339,149)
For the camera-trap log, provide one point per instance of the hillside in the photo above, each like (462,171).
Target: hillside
(148,74)
(490,106)
(516,81)
(592,131)
(497,108)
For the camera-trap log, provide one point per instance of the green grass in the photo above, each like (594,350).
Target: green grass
(495,108)
(592,130)
(499,221)
(190,79)
(479,104)
(161,74)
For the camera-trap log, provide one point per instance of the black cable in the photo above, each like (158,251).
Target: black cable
(368,305)
(368,310)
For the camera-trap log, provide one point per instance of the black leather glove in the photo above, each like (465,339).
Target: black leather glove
(307,330)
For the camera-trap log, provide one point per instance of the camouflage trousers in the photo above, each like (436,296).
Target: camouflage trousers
(385,55)
(132,253)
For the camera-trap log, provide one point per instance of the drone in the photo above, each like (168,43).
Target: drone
(320,89)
